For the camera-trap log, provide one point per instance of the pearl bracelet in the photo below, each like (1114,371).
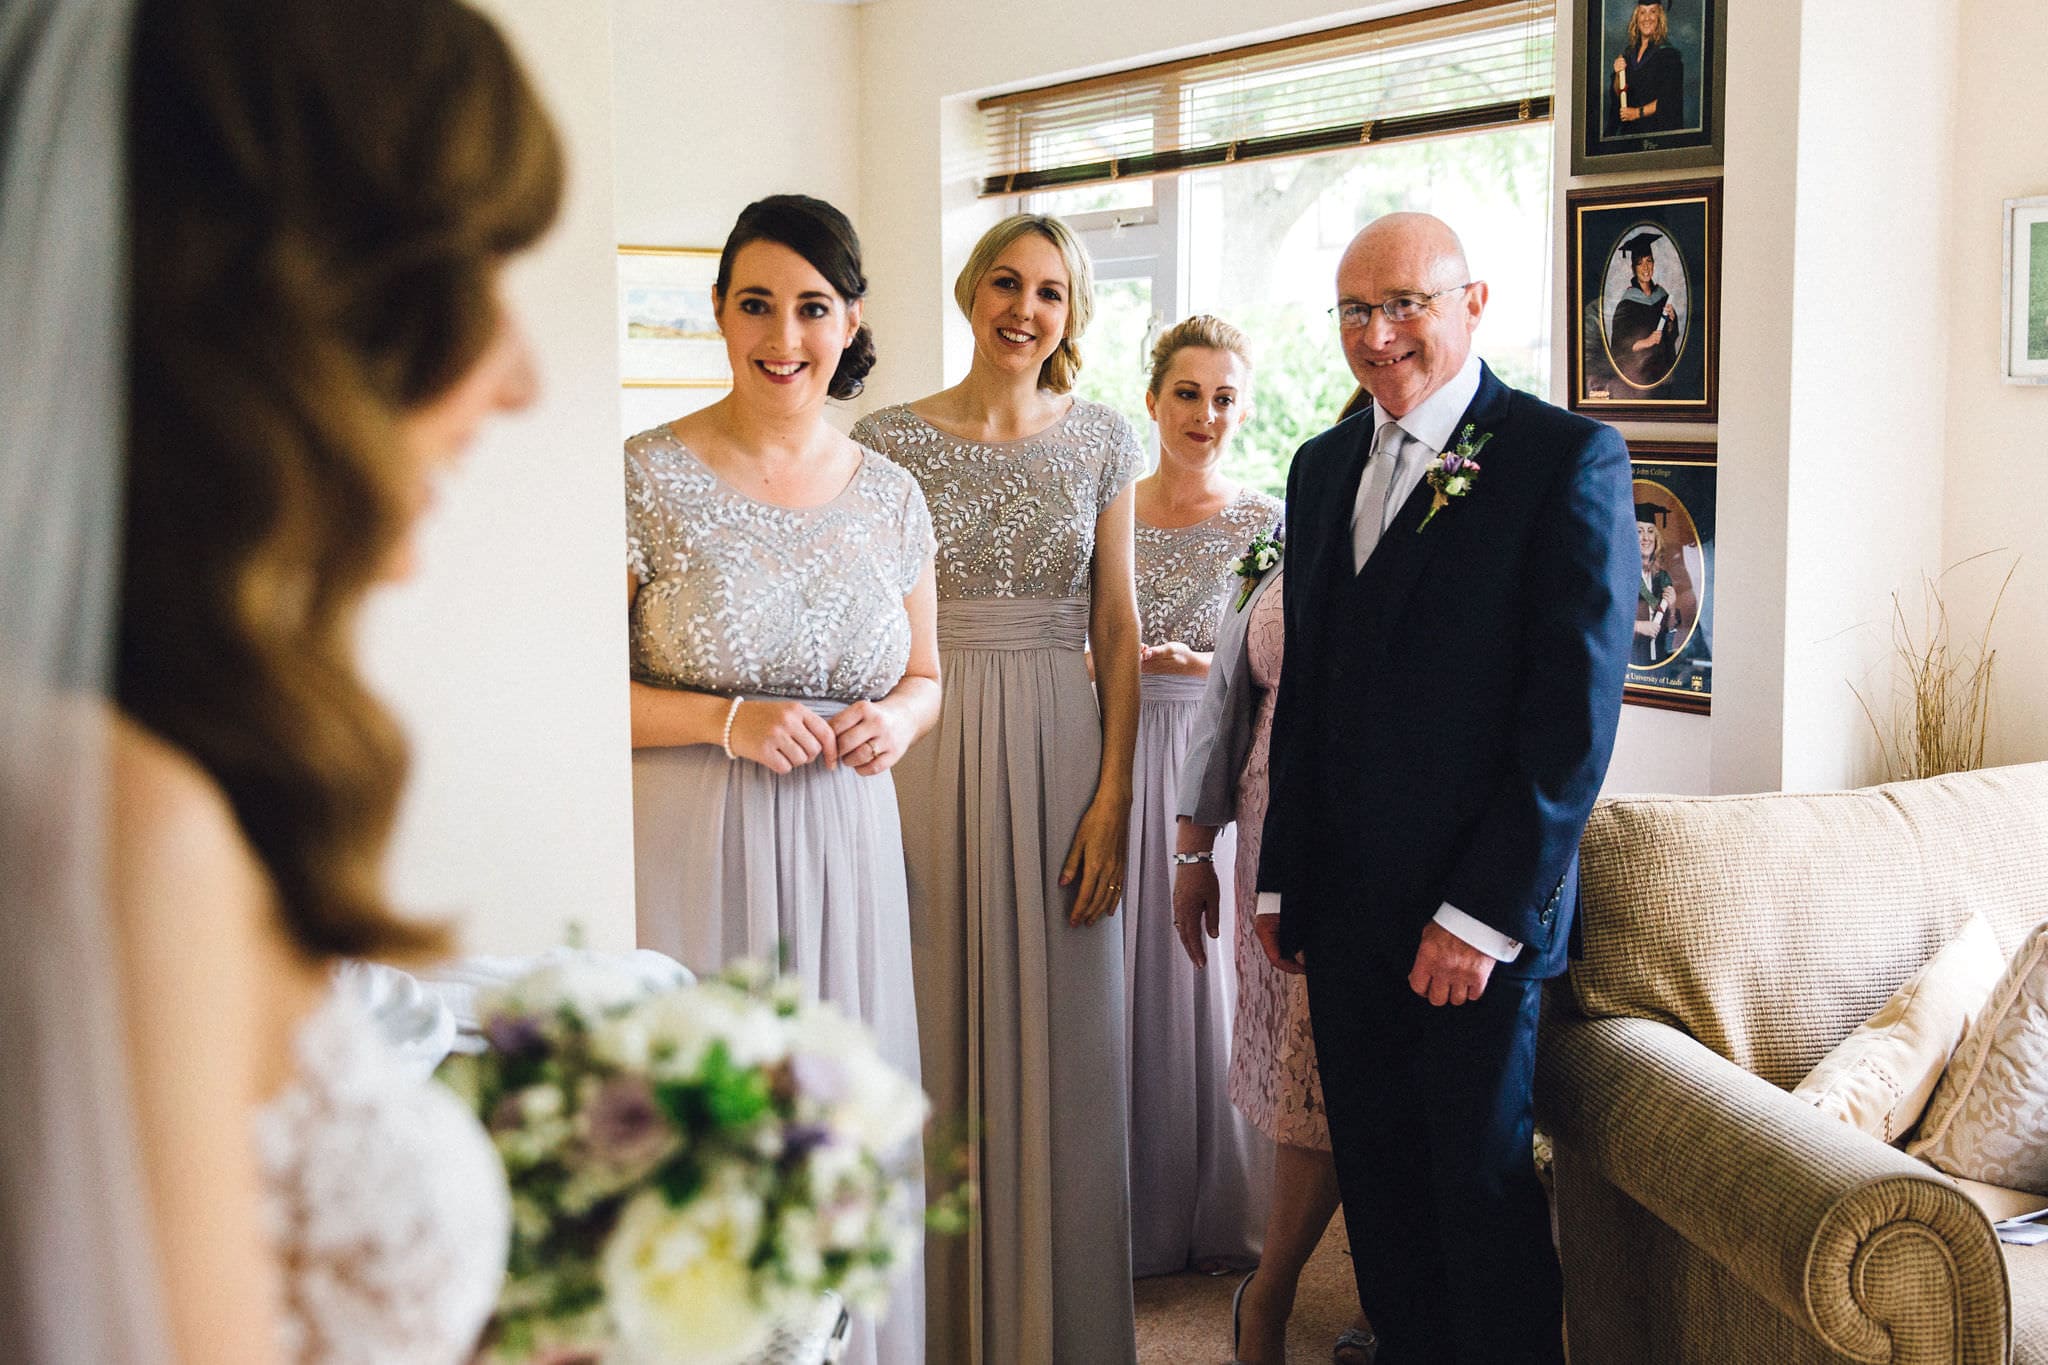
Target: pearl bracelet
(725,741)
(1182,858)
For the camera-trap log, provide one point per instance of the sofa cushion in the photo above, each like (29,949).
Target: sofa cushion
(1881,1076)
(1989,1118)
(1769,926)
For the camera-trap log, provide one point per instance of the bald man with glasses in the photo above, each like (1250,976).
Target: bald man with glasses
(1460,592)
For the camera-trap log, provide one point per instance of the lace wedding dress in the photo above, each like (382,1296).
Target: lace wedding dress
(385,1198)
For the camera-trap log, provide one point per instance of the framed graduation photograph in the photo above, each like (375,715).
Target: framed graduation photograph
(2025,344)
(1646,300)
(1671,657)
(668,337)
(1650,89)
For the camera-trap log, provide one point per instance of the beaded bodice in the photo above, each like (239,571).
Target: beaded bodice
(1184,577)
(1013,518)
(743,596)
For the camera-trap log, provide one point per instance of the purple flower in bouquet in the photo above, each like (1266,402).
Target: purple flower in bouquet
(799,1140)
(625,1123)
(515,1035)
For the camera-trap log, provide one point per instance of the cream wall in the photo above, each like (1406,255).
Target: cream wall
(717,103)
(1877,84)
(505,657)
(1997,434)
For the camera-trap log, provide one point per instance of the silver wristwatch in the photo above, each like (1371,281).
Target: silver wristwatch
(1181,858)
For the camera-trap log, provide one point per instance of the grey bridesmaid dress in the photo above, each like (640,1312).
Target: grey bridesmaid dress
(1021,1013)
(741,597)
(1200,1174)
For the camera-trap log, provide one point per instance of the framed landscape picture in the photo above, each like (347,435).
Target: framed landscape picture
(1671,656)
(2025,346)
(1650,91)
(1646,289)
(668,336)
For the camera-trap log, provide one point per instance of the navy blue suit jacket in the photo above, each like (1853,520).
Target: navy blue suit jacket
(1445,718)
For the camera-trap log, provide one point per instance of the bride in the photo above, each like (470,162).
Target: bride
(206,1155)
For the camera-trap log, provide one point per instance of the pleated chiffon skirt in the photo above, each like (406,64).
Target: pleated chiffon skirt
(1200,1174)
(1021,1013)
(805,868)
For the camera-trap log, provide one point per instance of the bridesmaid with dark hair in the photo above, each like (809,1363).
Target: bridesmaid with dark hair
(785,655)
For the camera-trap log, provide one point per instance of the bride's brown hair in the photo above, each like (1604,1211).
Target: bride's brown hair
(320,198)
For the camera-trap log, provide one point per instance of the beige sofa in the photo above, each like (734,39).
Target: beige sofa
(1729,943)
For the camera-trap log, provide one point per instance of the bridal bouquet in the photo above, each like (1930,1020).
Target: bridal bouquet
(688,1167)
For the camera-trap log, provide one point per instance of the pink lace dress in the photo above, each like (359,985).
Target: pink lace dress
(1273,1079)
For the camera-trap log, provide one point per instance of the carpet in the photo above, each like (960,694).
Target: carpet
(1185,1319)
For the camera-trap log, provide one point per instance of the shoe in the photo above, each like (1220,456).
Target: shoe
(1236,1314)
(1355,1347)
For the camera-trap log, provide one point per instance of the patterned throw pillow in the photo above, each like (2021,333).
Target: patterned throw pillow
(1880,1077)
(1989,1117)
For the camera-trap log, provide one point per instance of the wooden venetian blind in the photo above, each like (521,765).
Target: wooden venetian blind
(1450,68)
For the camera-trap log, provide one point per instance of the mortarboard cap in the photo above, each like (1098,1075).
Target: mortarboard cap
(1652,512)
(1638,246)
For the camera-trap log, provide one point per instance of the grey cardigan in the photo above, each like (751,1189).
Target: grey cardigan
(1222,734)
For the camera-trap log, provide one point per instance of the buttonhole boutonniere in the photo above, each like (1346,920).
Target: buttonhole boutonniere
(1452,474)
(1261,555)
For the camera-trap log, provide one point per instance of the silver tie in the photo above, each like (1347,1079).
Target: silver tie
(1369,513)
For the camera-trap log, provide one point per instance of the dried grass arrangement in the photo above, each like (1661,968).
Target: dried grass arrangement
(1941,703)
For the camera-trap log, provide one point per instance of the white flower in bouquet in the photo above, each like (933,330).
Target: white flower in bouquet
(586,986)
(682,1290)
(682,1026)
(623,1041)
(862,1097)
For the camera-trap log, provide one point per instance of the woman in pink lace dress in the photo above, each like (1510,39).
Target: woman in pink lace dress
(1272,1077)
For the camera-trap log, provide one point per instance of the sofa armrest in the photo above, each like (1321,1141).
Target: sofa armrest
(1870,1250)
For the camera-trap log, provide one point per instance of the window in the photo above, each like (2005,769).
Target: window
(1256,167)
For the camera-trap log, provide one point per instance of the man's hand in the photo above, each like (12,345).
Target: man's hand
(1447,970)
(1267,927)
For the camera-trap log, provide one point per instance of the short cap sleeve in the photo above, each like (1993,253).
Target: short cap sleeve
(919,543)
(1123,462)
(651,544)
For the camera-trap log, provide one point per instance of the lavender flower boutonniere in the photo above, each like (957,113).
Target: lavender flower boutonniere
(1453,473)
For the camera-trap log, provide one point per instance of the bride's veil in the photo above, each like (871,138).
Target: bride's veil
(77,1279)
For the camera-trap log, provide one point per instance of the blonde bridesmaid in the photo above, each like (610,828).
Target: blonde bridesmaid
(1016,810)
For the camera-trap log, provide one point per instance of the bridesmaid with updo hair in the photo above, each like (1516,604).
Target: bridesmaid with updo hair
(784,649)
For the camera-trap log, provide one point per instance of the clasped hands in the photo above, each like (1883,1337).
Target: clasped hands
(784,735)
(1171,657)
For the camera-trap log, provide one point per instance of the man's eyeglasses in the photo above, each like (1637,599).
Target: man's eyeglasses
(1397,307)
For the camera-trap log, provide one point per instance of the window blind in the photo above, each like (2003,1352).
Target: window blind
(1449,68)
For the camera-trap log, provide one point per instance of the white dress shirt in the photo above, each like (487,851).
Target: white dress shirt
(1431,425)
